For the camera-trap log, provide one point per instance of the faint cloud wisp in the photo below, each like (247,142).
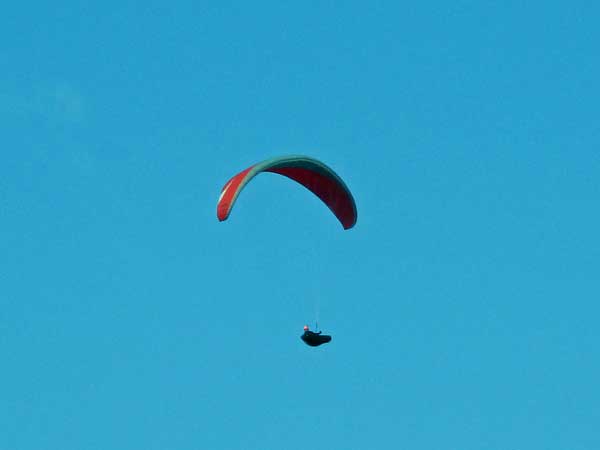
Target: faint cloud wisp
(58,102)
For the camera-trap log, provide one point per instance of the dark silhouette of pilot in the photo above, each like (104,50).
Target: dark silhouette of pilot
(314,339)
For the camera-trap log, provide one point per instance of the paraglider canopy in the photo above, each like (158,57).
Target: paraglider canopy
(309,172)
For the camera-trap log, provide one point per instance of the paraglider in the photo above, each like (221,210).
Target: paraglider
(314,175)
(309,172)
(314,339)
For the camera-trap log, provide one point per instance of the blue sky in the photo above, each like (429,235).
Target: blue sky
(463,305)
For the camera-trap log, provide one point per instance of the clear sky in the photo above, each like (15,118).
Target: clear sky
(464,305)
